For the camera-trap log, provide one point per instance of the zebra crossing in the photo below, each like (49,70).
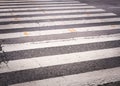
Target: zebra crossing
(58,42)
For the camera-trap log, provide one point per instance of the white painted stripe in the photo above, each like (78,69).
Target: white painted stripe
(58,31)
(46,61)
(24,0)
(45,5)
(52,12)
(42,1)
(93,78)
(57,17)
(55,23)
(85,21)
(28,2)
(38,8)
(77,7)
(18,26)
(59,42)
(39,3)
(46,8)
(2,10)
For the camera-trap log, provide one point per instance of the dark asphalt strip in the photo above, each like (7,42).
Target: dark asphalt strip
(58,19)
(59,36)
(59,70)
(57,27)
(108,5)
(31,53)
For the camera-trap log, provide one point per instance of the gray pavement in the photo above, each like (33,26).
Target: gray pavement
(109,5)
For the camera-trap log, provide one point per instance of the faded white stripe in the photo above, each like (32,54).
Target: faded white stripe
(38,8)
(40,3)
(23,0)
(46,61)
(85,21)
(57,17)
(93,78)
(59,42)
(46,8)
(55,23)
(24,3)
(45,5)
(52,12)
(59,31)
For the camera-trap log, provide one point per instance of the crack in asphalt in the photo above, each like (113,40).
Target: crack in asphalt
(3,57)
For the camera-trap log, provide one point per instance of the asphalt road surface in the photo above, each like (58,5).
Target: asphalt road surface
(59,43)
(108,5)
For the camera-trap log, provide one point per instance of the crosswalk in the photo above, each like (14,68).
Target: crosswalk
(58,43)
